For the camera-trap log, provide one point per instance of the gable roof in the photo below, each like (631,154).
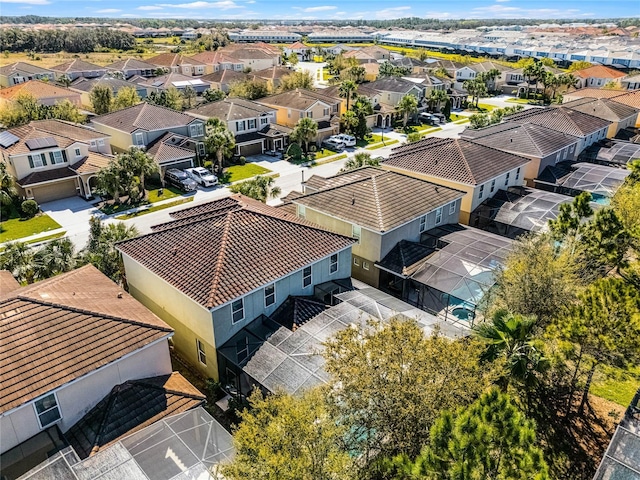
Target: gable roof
(225,76)
(60,329)
(174,79)
(18,67)
(630,98)
(131,64)
(603,108)
(166,60)
(77,65)
(299,99)
(599,71)
(229,109)
(64,133)
(486,66)
(38,89)
(130,407)
(216,257)
(458,160)
(377,199)
(144,116)
(272,73)
(168,148)
(392,84)
(561,119)
(87,84)
(210,58)
(595,92)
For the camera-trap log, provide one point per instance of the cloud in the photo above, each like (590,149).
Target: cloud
(321,8)
(438,15)
(29,2)
(496,9)
(390,13)
(108,10)
(251,1)
(502,1)
(222,5)
(129,15)
(149,7)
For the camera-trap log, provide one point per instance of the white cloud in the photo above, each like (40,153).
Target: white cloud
(496,9)
(149,7)
(390,13)
(222,5)
(108,10)
(251,1)
(29,2)
(129,15)
(438,15)
(502,1)
(321,8)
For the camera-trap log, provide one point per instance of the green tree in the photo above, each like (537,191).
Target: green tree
(360,159)
(173,98)
(17,258)
(213,95)
(219,142)
(435,98)
(570,219)
(7,186)
(407,106)
(348,90)
(138,164)
(125,98)
(65,110)
(489,78)
(282,437)
(349,122)
(414,137)
(249,89)
(259,188)
(293,59)
(354,73)
(304,132)
(476,89)
(188,97)
(101,97)
(391,381)
(302,79)
(606,242)
(488,440)
(109,181)
(362,108)
(579,65)
(56,257)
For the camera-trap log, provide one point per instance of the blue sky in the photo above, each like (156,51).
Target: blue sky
(324,9)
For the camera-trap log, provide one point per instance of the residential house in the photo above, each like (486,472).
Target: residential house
(415,66)
(177,63)
(379,53)
(173,150)
(632,99)
(52,159)
(175,80)
(589,92)
(631,82)
(588,128)
(216,61)
(272,76)
(477,170)
(390,91)
(361,56)
(379,208)
(223,79)
(371,71)
(300,103)
(20,72)
(67,342)
(221,266)
(300,49)
(45,93)
(472,70)
(621,116)
(84,86)
(141,124)
(598,76)
(253,56)
(517,83)
(253,124)
(543,146)
(132,67)
(78,68)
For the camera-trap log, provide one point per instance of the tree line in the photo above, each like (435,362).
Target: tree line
(83,40)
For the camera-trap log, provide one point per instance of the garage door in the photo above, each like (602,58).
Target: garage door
(253,149)
(54,191)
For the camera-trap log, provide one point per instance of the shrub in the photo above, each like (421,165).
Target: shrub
(312,148)
(414,137)
(29,208)
(208,164)
(242,160)
(294,152)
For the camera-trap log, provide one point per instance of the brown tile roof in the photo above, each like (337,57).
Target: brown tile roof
(60,329)
(392,84)
(168,80)
(144,116)
(229,109)
(32,131)
(77,65)
(166,60)
(225,76)
(599,71)
(131,64)
(594,93)
(72,131)
(561,119)
(632,99)
(273,73)
(91,163)
(215,259)
(212,58)
(603,108)
(379,200)
(299,99)
(163,150)
(130,407)
(7,282)
(454,159)
(316,182)
(38,89)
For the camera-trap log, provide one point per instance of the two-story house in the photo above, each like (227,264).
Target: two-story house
(598,76)
(175,80)
(20,72)
(379,209)
(543,146)
(78,68)
(144,123)
(253,124)
(255,56)
(300,103)
(631,99)
(621,116)
(220,266)
(477,170)
(216,61)
(45,93)
(222,79)
(84,87)
(471,72)
(52,159)
(177,63)
(133,67)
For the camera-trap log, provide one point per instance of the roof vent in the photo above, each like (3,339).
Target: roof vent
(353,200)
(437,189)
(511,140)
(175,250)
(119,294)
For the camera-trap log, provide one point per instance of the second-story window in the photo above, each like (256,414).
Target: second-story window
(47,410)
(356,232)
(452,208)
(506,179)
(306,277)
(37,160)
(139,138)
(302,211)
(423,223)
(252,123)
(270,295)
(325,112)
(237,311)
(438,215)
(196,130)
(333,263)
(264,121)
(481,191)
(57,157)
(518,174)
(240,126)
(310,114)
(493,185)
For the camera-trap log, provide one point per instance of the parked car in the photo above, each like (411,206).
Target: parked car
(180,179)
(428,118)
(333,144)
(202,176)
(348,140)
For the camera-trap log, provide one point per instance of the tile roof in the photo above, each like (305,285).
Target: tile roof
(167,60)
(130,407)
(46,176)
(22,67)
(38,89)
(599,71)
(215,258)
(60,329)
(7,282)
(406,257)
(211,58)
(521,138)
(91,163)
(392,84)
(594,93)
(458,160)
(143,116)
(379,200)
(225,76)
(165,149)
(486,66)
(64,133)
(272,73)
(115,84)
(631,98)
(230,109)
(77,65)
(299,99)
(603,108)
(171,79)
(131,64)
(561,119)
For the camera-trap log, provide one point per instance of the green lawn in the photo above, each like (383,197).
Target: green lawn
(167,193)
(373,138)
(454,116)
(382,145)
(615,384)
(240,172)
(324,152)
(155,208)
(328,160)
(15,227)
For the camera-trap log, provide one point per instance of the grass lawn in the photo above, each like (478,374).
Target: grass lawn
(48,60)
(240,172)
(368,140)
(382,145)
(615,384)
(167,193)
(328,160)
(154,209)
(324,152)
(522,101)
(15,227)
(454,116)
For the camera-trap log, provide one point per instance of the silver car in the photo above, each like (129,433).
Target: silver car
(203,176)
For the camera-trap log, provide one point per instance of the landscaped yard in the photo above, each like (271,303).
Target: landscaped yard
(167,193)
(382,145)
(14,227)
(616,385)
(328,160)
(368,140)
(324,152)
(155,208)
(454,117)
(241,172)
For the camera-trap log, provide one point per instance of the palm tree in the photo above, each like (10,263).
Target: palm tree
(407,105)
(348,89)
(7,186)
(219,141)
(360,159)
(435,98)
(57,256)
(260,188)
(108,181)
(139,164)
(510,337)
(476,88)
(305,131)
(17,258)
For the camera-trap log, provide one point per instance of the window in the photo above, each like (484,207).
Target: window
(306,277)
(310,114)
(139,138)
(270,295)
(481,192)
(264,121)
(47,410)
(101,142)
(302,211)
(252,123)
(333,264)
(57,157)
(237,310)
(93,143)
(438,215)
(240,126)
(506,179)
(452,208)
(518,174)
(196,130)
(202,357)
(365,265)
(201,149)
(288,113)
(423,223)
(493,185)
(325,112)
(77,152)
(356,232)
(557,157)
(37,160)
(356,261)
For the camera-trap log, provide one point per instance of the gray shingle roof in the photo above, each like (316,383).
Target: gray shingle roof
(230,109)
(299,99)
(144,116)
(602,108)
(561,119)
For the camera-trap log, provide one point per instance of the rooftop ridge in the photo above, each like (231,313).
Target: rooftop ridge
(222,256)
(376,195)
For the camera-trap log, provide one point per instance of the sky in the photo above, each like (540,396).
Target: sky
(324,9)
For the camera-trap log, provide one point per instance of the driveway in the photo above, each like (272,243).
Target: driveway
(315,69)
